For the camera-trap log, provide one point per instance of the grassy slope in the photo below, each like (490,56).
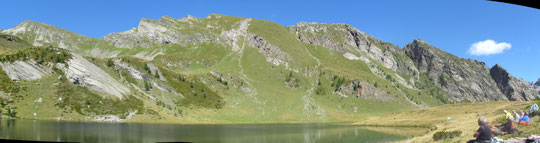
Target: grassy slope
(462,117)
(267,99)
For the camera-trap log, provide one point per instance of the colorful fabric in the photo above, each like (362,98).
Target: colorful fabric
(508,115)
(525,118)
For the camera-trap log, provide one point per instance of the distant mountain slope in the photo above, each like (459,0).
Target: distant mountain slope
(462,79)
(233,69)
(39,34)
(11,43)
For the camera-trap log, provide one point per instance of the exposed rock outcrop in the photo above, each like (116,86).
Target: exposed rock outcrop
(514,89)
(39,34)
(25,70)
(272,53)
(233,35)
(155,70)
(81,71)
(133,72)
(160,32)
(536,86)
(462,79)
(347,39)
(359,89)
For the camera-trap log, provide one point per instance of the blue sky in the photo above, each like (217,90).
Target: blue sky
(449,25)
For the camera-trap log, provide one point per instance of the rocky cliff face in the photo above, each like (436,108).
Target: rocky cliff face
(81,71)
(184,31)
(536,86)
(359,89)
(351,41)
(463,79)
(24,70)
(272,53)
(160,32)
(514,89)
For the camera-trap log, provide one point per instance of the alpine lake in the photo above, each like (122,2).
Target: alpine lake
(66,131)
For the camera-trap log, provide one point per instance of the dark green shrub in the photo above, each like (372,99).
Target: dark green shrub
(11,111)
(443,135)
(147,85)
(156,74)
(110,63)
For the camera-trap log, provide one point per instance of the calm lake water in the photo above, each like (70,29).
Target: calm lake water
(38,130)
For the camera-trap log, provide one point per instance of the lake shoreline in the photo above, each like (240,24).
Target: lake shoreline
(62,131)
(187,123)
(453,117)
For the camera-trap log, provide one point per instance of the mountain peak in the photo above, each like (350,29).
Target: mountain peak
(35,24)
(419,41)
(36,27)
(32,22)
(167,17)
(419,44)
(41,34)
(499,70)
(497,66)
(24,26)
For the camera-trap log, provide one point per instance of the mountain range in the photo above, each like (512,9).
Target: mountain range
(225,69)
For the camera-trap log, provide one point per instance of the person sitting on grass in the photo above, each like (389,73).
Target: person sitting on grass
(508,127)
(516,116)
(524,120)
(495,131)
(483,134)
(507,114)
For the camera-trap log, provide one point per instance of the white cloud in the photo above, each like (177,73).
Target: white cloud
(488,47)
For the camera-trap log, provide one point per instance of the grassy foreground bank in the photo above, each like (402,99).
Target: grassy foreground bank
(462,117)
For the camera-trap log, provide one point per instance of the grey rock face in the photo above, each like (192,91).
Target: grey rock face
(154,69)
(536,86)
(347,39)
(461,78)
(81,71)
(160,32)
(143,76)
(272,53)
(25,70)
(233,36)
(513,88)
(359,89)
(537,89)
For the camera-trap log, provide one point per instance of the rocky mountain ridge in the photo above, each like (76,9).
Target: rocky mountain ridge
(514,89)
(241,67)
(463,79)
